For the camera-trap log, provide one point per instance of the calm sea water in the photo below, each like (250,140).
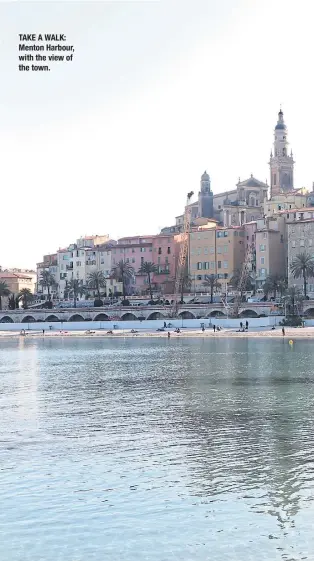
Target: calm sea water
(156,450)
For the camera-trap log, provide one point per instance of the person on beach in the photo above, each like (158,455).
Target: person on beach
(241,325)
(247,325)
(168,334)
(214,328)
(203,328)
(283,331)
(165,325)
(43,332)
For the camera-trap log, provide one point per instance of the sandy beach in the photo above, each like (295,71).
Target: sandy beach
(290,332)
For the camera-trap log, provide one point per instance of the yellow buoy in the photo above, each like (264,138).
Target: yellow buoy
(290,342)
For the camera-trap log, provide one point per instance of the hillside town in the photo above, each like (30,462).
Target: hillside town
(268,228)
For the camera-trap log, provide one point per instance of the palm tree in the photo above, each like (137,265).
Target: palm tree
(148,268)
(96,280)
(4,291)
(303,266)
(26,296)
(211,281)
(274,283)
(282,286)
(47,280)
(75,287)
(293,297)
(122,272)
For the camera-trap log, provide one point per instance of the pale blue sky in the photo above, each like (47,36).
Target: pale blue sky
(157,93)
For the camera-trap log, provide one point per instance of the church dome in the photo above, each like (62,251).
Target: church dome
(281,126)
(205,176)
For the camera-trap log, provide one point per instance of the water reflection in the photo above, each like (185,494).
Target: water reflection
(213,430)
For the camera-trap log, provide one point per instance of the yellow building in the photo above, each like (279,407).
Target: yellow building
(286,201)
(17,281)
(215,250)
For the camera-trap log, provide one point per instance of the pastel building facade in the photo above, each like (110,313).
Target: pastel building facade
(215,250)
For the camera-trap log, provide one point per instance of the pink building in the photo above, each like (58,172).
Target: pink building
(159,250)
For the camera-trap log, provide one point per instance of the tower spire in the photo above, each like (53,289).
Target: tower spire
(281,165)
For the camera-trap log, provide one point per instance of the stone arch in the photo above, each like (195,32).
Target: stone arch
(156,315)
(129,317)
(7,319)
(76,317)
(28,319)
(52,317)
(309,313)
(216,314)
(101,317)
(186,315)
(248,313)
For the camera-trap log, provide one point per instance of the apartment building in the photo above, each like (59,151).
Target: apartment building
(159,250)
(50,264)
(16,281)
(215,250)
(300,240)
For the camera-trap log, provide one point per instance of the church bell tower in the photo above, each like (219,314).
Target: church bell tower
(281,164)
(205,198)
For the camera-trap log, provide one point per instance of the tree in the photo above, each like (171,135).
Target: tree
(236,279)
(26,296)
(186,282)
(96,280)
(123,272)
(303,266)
(75,288)
(148,268)
(4,291)
(47,280)
(293,297)
(273,284)
(211,282)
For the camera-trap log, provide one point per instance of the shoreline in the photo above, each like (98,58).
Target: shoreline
(301,333)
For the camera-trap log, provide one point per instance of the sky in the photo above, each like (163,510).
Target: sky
(157,92)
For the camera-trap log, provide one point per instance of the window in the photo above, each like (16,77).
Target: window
(235,233)
(263,272)
(133,260)
(199,266)
(288,215)
(281,238)
(199,251)
(262,260)
(265,235)
(219,264)
(212,264)
(310,242)
(302,243)
(78,263)
(133,250)
(274,179)
(143,249)
(205,265)
(219,249)
(219,234)
(159,251)
(226,275)
(211,250)
(168,250)
(225,249)
(225,264)
(205,250)
(121,250)
(262,247)
(225,234)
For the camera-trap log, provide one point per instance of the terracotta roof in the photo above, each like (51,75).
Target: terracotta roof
(14,276)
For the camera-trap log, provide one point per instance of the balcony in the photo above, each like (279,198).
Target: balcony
(69,267)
